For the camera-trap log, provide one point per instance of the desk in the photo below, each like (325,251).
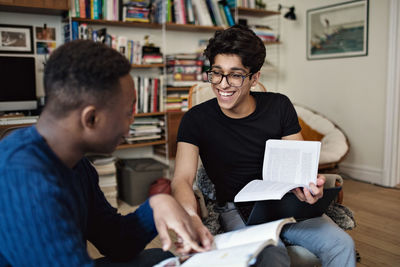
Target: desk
(6,129)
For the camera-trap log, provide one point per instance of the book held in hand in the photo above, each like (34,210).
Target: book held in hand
(237,248)
(288,164)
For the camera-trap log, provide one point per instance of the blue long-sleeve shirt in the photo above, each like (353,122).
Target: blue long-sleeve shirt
(48,211)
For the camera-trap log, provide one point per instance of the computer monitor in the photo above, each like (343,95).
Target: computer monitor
(17,84)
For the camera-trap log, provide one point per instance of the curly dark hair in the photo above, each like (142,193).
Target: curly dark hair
(238,40)
(82,72)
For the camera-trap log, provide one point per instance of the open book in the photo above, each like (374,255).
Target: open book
(237,248)
(287,164)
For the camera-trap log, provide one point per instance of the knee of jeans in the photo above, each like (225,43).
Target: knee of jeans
(343,244)
(348,243)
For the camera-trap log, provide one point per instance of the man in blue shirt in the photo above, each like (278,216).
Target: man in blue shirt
(50,201)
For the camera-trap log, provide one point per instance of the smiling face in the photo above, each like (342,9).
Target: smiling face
(235,102)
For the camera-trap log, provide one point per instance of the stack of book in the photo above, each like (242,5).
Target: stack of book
(177,101)
(136,10)
(146,129)
(265,33)
(105,167)
(184,69)
(151,55)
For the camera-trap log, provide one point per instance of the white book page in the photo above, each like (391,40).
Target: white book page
(250,234)
(291,161)
(237,256)
(262,190)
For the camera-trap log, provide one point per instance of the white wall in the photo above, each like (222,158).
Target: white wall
(349,91)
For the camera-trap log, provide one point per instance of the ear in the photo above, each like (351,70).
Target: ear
(255,78)
(89,117)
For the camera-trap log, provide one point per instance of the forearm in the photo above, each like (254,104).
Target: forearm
(182,191)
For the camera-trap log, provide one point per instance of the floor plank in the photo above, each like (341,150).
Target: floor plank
(377,213)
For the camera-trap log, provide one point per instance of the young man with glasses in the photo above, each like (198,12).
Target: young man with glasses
(229,134)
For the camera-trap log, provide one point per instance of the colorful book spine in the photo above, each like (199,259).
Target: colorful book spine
(211,12)
(228,13)
(82,9)
(189,12)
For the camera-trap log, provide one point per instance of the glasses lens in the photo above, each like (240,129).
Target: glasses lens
(214,77)
(235,79)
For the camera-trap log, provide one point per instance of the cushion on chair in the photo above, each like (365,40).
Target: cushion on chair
(309,133)
(334,144)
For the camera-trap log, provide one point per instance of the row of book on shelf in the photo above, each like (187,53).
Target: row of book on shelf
(200,12)
(134,50)
(150,94)
(113,10)
(183,70)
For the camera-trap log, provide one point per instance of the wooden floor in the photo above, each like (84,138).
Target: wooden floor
(377,214)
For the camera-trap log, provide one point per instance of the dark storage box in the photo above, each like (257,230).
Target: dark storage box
(135,177)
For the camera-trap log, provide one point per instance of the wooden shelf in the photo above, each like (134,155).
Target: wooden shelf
(191,27)
(175,112)
(174,89)
(142,144)
(149,114)
(147,66)
(52,7)
(117,23)
(168,25)
(271,42)
(256,12)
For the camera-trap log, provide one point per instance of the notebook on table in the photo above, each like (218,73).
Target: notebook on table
(289,206)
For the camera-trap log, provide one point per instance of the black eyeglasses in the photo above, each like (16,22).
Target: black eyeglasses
(233,79)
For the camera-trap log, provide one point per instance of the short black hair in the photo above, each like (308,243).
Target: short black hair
(238,40)
(82,72)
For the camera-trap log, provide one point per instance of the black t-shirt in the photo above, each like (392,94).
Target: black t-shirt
(232,150)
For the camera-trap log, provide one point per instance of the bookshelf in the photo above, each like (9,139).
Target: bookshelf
(160,30)
(47,7)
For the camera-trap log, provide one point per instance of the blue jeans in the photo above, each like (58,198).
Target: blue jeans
(320,235)
(147,258)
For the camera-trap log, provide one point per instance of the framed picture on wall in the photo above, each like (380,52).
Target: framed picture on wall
(16,39)
(339,30)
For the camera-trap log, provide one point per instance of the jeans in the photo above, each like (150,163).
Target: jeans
(320,235)
(147,258)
